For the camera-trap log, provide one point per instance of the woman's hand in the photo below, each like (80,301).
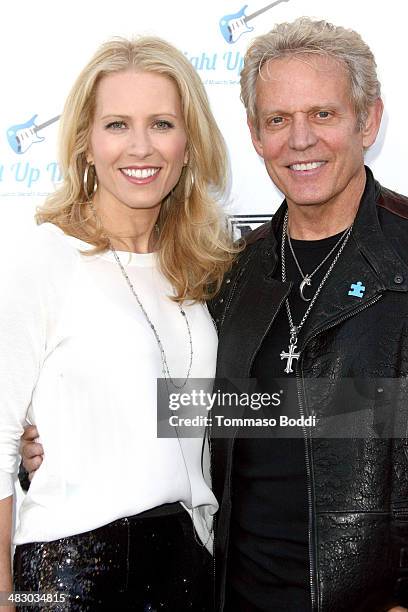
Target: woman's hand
(31,451)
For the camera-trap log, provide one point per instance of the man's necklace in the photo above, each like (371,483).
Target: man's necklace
(294,330)
(307,278)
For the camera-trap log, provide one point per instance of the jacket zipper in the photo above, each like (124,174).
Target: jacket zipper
(214,584)
(222,599)
(214,527)
(401,514)
(312,569)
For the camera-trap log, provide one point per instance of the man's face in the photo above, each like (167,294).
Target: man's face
(308,134)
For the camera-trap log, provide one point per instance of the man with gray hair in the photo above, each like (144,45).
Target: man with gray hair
(318,297)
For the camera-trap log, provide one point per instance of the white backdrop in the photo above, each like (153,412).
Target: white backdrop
(44,45)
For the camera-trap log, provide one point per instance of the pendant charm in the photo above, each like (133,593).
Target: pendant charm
(306,281)
(290,356)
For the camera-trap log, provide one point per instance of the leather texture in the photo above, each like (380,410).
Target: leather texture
(359,485)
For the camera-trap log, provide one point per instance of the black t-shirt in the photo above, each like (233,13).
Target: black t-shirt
(268,562)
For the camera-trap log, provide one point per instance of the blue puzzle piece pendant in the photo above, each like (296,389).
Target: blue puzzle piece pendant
(357,290)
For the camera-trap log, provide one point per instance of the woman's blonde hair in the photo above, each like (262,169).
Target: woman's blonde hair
(307,36)
(195,247)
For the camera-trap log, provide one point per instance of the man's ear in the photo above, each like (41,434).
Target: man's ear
(373,122)
(256,141)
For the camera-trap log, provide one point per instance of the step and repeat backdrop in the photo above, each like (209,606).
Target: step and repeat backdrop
(45,44)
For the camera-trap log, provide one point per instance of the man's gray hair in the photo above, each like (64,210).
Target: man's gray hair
(306,36)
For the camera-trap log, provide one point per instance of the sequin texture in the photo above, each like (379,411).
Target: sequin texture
(144,564)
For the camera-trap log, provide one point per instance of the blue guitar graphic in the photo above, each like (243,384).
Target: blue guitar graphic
(21,137)
(233,26)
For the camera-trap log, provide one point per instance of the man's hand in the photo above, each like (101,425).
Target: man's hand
(398,609)
(31,451)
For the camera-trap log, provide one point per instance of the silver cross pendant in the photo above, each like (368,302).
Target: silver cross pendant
(291,354)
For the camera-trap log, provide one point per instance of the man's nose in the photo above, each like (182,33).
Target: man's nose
(302,133)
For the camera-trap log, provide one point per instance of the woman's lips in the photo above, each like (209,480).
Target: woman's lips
(139,176)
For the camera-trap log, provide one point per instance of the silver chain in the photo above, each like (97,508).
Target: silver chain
(309,276)
(166,369)
(167,376)
(295,329)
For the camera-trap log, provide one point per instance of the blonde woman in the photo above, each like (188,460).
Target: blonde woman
(105,297)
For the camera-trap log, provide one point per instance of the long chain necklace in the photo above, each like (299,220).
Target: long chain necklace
(295,329)
(307,278)
(166,370)
(168,377)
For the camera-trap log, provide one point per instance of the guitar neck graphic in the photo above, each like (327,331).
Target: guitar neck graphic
(263,10)
(233,26)
(46,124)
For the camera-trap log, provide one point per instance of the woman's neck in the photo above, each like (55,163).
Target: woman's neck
(129,229)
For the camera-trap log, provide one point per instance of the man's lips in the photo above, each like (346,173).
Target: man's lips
(306,166)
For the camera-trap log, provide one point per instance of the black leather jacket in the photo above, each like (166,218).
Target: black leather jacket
(358,487)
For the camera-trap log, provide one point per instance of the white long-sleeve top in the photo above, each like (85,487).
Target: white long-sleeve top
(79,360)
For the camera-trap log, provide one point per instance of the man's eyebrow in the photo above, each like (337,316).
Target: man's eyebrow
(271,111)
(325,104)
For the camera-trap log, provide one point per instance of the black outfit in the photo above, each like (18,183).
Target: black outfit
(145,563)
(268,565)
(356,487)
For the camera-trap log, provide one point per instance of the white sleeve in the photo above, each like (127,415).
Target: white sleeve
(23,324)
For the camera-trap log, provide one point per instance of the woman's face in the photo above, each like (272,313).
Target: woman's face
(138,139)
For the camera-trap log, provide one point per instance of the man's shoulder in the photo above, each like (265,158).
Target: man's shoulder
(393,202)
(252,244)
(392,211)
(260,233)
(248,254)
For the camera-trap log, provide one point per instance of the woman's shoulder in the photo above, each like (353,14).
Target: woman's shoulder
(41,252)
(49,237)
(50,241)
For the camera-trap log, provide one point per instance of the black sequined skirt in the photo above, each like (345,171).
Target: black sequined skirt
(144,563)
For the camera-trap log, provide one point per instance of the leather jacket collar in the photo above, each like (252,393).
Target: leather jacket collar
(367,235)
(368,258)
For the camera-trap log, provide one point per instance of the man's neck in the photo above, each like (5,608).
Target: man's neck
(318,221)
